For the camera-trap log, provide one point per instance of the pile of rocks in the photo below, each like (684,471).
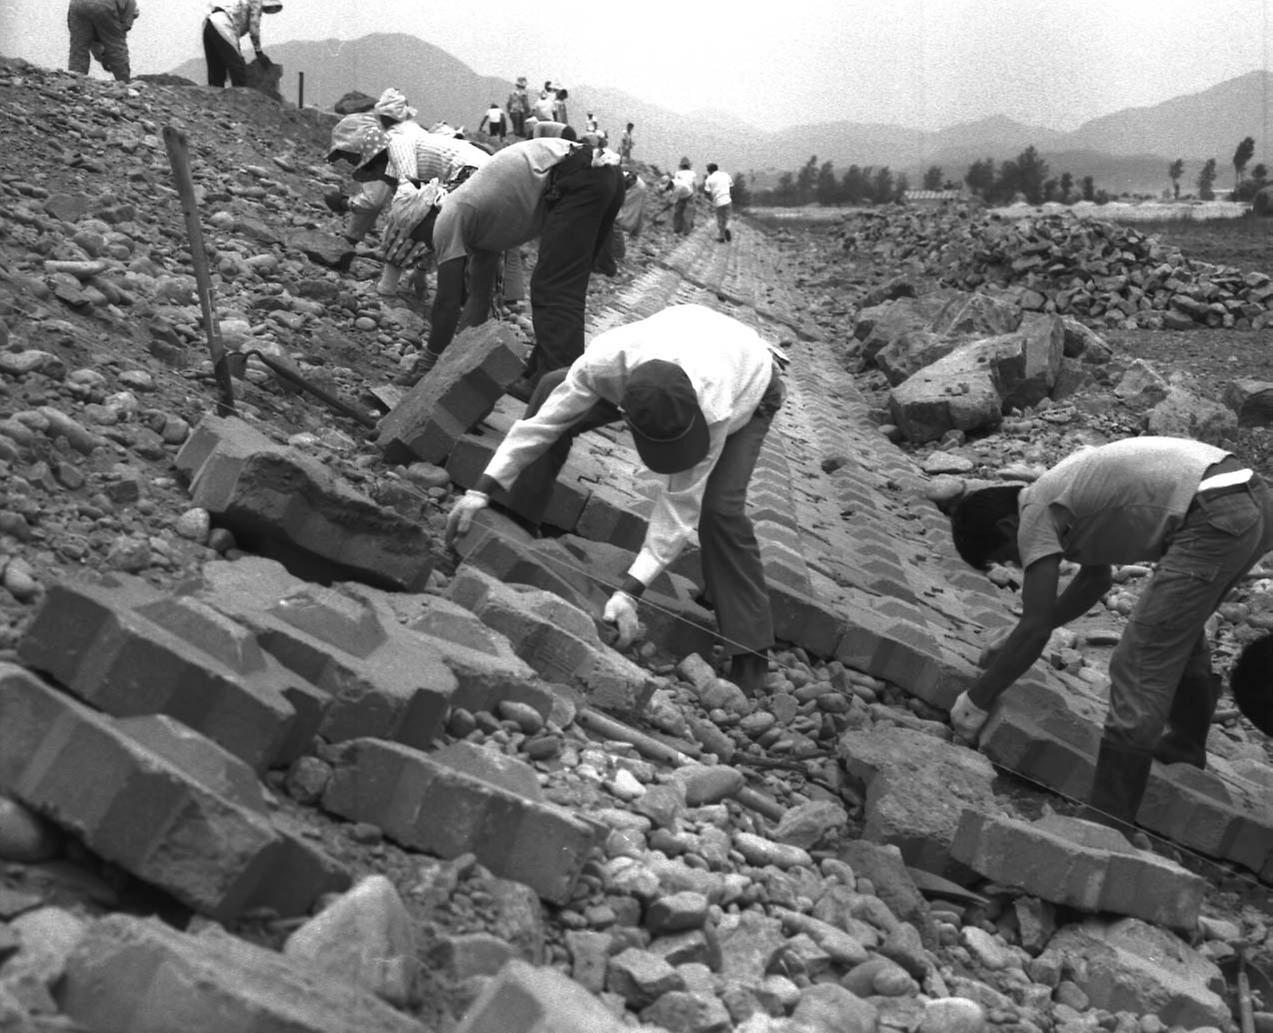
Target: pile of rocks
(1102,272)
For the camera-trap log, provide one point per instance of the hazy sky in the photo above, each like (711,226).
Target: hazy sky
(918,63)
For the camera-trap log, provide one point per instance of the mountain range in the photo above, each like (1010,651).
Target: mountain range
(1125,152)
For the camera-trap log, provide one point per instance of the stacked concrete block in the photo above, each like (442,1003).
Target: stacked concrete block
(906,654)
(281,502)
(454,397)
(525,999)
(557,639)
(143,976)
(133,806)
(378,679)
(128,649)
(1078,864)
(430,806)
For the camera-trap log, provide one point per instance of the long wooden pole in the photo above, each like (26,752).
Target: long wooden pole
(179,158)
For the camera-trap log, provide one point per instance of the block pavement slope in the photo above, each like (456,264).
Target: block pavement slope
(671,901)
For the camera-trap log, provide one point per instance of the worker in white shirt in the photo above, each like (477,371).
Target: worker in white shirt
(698,390)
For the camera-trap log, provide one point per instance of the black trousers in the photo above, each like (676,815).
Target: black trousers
(223,59)
(583,202)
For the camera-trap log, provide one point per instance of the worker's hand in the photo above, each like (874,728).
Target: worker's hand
(993,649)
(966,718)
(621,612)
(460,519)
(408,234)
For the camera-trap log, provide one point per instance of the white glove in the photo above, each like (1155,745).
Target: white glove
(460,519)
(966,718)
(621,612)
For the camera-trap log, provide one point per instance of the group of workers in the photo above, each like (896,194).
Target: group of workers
(698,391)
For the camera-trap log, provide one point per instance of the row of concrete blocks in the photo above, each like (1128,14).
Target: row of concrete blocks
(256,665)
(140,975)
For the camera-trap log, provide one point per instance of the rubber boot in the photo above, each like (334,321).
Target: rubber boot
(1185,740)
(1118,785)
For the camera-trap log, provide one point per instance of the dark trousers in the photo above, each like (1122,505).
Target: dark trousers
(97,29)
(223,60)
(583,203)
(733,578)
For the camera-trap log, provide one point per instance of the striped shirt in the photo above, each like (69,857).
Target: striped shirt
(240,17)
(419,155)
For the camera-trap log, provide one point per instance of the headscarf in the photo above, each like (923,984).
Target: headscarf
(359,134)
(393,104)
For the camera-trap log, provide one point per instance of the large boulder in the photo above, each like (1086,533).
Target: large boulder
(1186,414)
(975,384)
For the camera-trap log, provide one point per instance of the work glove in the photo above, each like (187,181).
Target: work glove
(408,235)
(460,519)
(966,718)
(621,612)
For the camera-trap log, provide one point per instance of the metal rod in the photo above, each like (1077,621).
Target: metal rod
(300,89)
(179,158)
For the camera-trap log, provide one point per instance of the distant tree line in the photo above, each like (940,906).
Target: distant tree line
(1244,187)
(816,183)
(1025,177)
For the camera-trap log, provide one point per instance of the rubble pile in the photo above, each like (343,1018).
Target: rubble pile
(272,757)
(1104,273)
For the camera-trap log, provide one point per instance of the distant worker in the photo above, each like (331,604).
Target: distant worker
(545,108)
(626,143)
(548,188)
(518,106)
(228,21)
(495,119)
(698,391)
(100,28)
(591,125)
(683,185)
(717,186)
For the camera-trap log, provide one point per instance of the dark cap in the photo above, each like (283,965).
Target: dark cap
(662,410)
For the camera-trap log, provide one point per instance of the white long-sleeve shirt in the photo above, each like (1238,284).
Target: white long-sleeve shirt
(235,19)
(730,368)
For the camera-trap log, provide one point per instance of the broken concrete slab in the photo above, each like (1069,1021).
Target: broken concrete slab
(128,804)
(130,650)
(459,392)
(1079,864)
(143,976)
(916,788)
(1128,965)
(976,383)
(526,999)
(557,639)
(426,805)
(283,503)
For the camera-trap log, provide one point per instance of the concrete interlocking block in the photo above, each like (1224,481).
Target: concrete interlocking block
(454,397)
(905,654)
(127,803)
(556,638)
(143,976)
(585,573)
(129,650)
(615,515)
(1078,864)
(426,805)
(282,503)
(378,678)
(525,999)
